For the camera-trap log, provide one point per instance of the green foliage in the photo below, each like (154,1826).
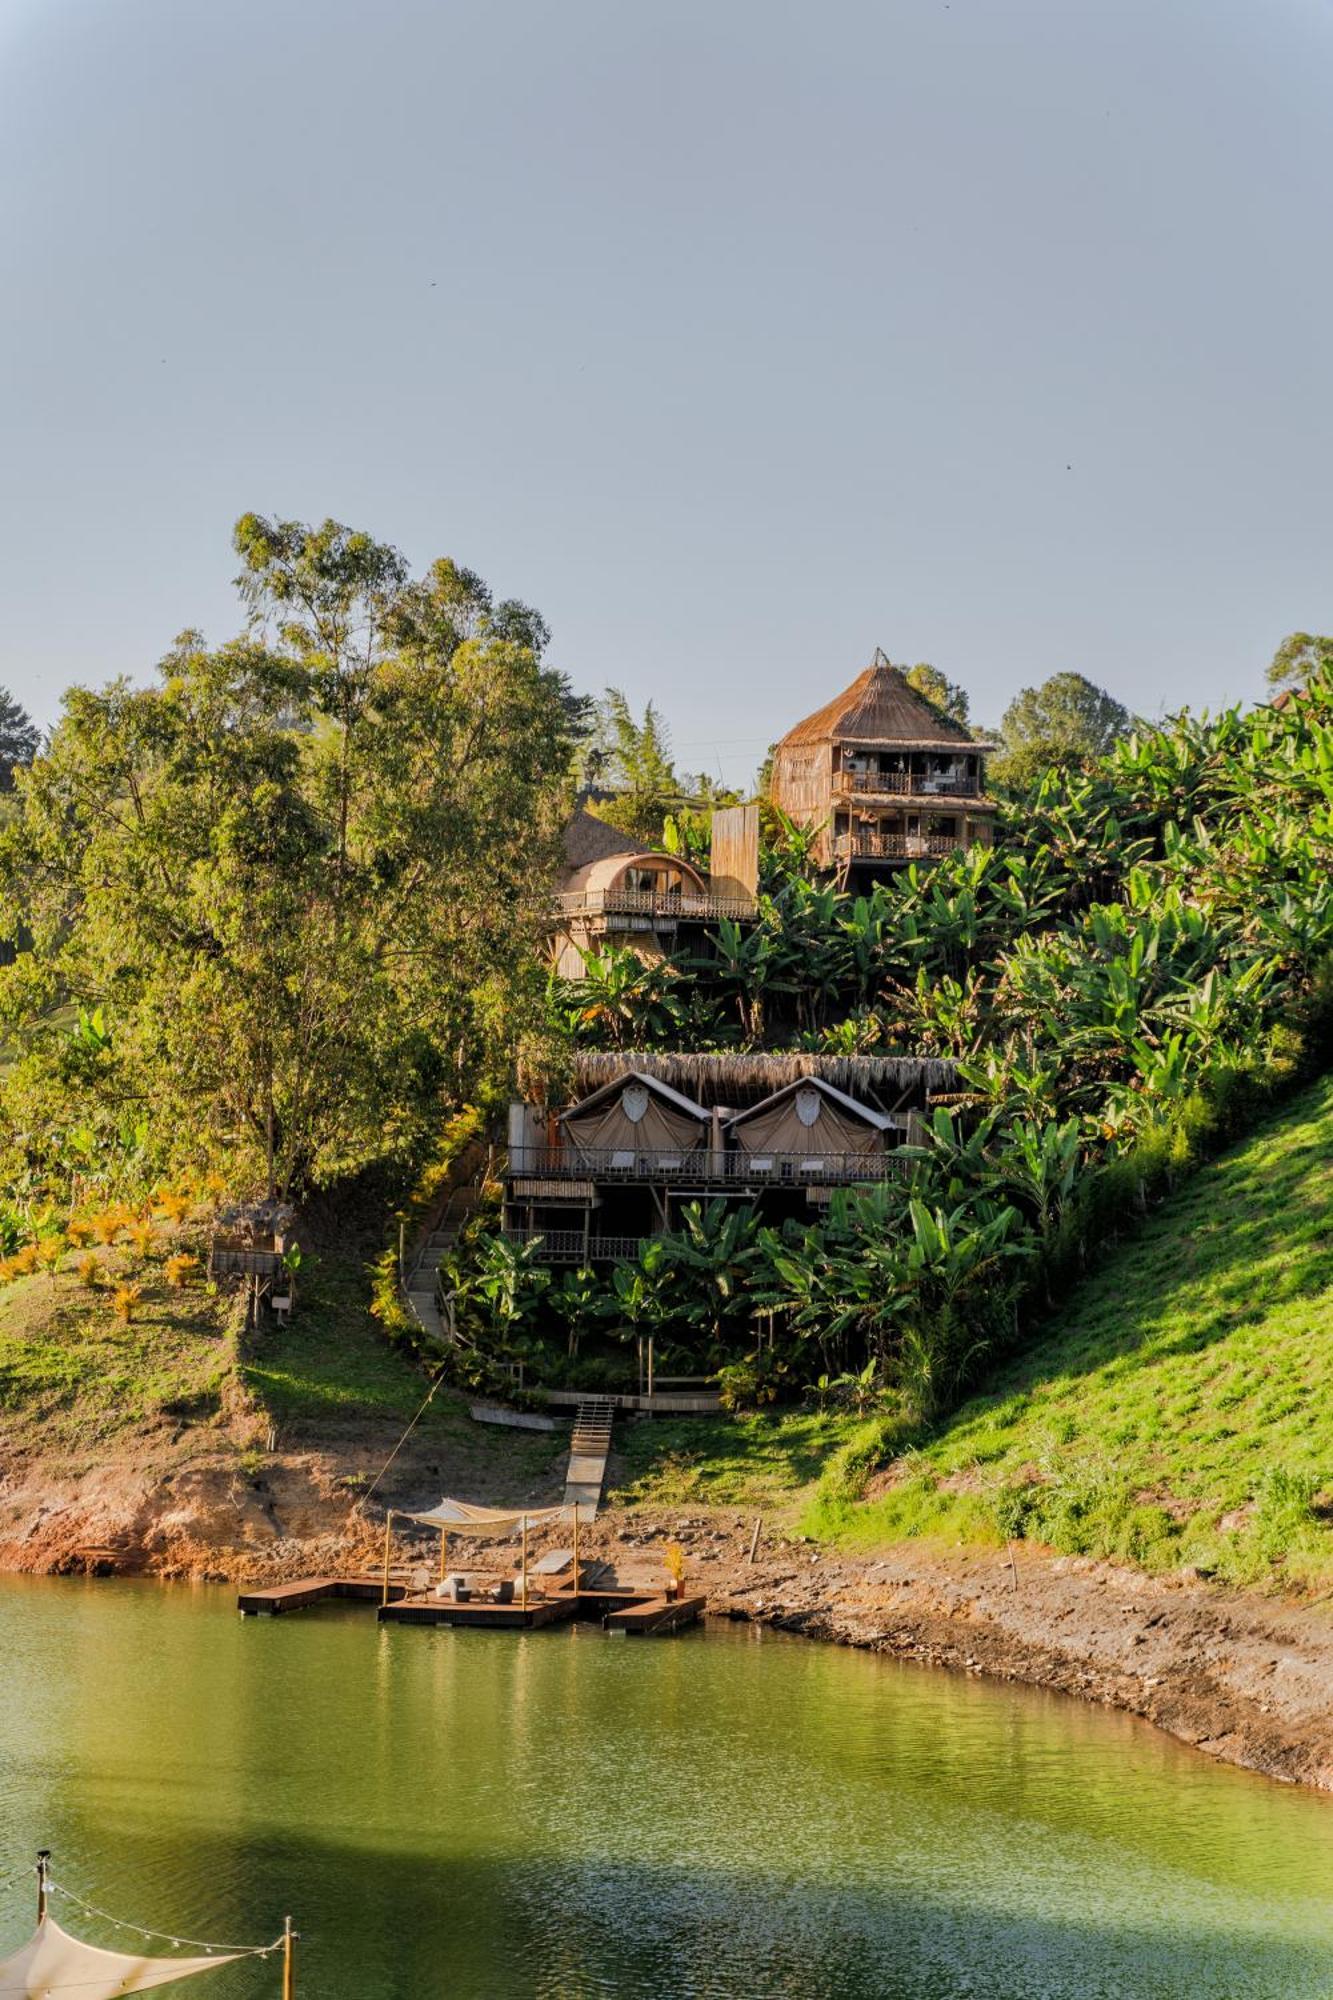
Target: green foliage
(292,892)
(1302,656)
(948,696)
(632,761)
(1176,1408)
(20,738)
(1064,721)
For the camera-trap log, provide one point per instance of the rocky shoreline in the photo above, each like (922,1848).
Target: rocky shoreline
(1243,1677)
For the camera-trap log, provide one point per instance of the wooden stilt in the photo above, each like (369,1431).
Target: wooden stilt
(576,1551)
(289,1937)
(524,1598)
(388,1533)
(43,1870)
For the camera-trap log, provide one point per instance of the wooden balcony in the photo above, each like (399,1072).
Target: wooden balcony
(702,1168)
(906,784)
(666,907)
(893,846)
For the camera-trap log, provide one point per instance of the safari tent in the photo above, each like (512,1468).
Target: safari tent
(811,1118)
(633,1116)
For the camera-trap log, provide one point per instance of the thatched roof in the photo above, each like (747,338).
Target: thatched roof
(881,706)
(589,839)
(739,1080)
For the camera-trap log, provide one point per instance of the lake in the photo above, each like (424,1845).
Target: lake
(558,1814)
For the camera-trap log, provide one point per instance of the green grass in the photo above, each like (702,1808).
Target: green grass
(1179,1408)
(72,1377)
(74,1380)
(763,1461)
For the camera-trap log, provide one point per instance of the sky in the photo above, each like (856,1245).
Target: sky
(738,337)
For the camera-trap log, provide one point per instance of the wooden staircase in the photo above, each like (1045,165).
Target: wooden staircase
(589,1449)
(423,1262)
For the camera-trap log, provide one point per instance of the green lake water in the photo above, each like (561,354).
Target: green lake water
(561,1814)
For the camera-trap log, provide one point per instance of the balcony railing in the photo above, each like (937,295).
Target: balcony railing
(701,1167)
(666,906)
(893,846)
(917,784)
(568,1246)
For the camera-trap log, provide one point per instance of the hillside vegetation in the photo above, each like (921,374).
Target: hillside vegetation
(1179,1408)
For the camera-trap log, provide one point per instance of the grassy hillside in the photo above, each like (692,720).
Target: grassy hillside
(76,1384)
(1180,1407)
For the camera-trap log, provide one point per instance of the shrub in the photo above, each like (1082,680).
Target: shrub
(50,1249)
(181,1270)
(142,1235)
(78,1232)
(174,1204)
(124,1302)
(24,1261)
(107,1224)
(88,1270)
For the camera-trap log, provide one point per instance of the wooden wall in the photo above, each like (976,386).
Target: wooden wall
(734,868)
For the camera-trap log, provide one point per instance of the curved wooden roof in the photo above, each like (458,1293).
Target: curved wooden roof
(881,706)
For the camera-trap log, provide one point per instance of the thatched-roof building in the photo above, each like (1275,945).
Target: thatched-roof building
(884,775)
(646,1133)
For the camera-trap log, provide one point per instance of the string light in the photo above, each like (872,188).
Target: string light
(144,1932)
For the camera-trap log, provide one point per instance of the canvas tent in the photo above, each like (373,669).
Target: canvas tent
(810,1119)
(53,1962)
(637,1114)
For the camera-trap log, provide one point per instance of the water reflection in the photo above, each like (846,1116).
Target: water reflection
(561,1815)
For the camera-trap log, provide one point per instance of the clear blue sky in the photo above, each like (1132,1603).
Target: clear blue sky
(739,337)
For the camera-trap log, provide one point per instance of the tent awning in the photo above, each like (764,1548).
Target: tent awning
(463,1518)
(53,1962)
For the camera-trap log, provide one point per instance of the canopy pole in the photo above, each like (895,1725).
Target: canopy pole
(444,1552)
(525,1563)
(43,1871)
(576,1554)
(289,1938)
(388,1531)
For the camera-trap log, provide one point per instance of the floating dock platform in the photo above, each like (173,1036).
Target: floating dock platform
(640,1613)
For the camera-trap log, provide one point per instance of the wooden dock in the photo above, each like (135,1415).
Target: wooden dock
(482,1614)
(279,1597)
(642,1612)
(654,1617)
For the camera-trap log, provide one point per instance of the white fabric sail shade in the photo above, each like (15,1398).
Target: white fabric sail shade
(461,1517)
(52,1962)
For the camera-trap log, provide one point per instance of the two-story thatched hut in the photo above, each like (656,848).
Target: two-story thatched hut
(884,775)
